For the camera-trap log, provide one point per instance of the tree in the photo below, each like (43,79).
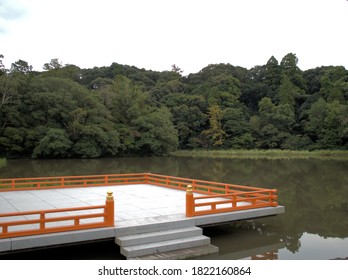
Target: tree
(67,106)
(288,92)
(56,143)
(289,68)
(143,127)
(7,91)
(272,76)
(52,65)
(11,87)
(155,133)
(21,66)
(189,117)
(215,133)
(177,69)
(236,126)
(12,141)
(266,111)
(2,67)
(327,124)
(334,84)
(276,122)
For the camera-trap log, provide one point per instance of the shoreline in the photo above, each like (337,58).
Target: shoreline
(264,154)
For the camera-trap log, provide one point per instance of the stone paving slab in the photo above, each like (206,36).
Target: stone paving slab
(131,201)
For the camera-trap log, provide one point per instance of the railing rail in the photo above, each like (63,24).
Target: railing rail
(17,184)
(40,222)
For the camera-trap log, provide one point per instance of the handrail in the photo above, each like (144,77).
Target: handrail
(199,186)
(43,221)
(18,184)
(220,203)
(236,196)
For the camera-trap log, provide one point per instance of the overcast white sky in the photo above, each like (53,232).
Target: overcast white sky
(154,34)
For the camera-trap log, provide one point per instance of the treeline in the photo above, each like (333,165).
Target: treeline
(66,111)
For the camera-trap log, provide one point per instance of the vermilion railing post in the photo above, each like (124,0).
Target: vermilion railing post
(274,198)
(110,209)
(42,220)
(189,202)
(234,201)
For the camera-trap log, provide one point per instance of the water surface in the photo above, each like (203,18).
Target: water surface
(314,193)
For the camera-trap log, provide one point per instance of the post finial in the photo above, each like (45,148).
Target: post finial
(189,189)
(109,195)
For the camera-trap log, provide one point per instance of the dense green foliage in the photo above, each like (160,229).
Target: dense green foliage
(66,111)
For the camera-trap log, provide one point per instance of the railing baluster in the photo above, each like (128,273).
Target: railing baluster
(42,220)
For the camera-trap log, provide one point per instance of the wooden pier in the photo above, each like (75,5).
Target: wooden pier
(146,214)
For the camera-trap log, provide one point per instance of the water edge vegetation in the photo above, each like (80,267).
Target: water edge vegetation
(2,162)
(263,154)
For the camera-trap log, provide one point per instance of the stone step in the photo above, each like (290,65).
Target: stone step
(158,236)
(152,225)
(164,246)
(182,254)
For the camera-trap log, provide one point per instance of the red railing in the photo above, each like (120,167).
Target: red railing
(199,186)
(17,184)
(40,222)
(219,203)
(218,197)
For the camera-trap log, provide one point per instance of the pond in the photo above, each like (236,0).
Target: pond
(314,193)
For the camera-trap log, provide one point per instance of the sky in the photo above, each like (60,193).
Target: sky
(155,34)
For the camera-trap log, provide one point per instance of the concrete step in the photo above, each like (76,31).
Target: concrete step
(153,225)
(181,254)
(164,246)
(158,236)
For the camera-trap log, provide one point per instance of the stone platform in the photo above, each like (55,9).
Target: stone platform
(149,220)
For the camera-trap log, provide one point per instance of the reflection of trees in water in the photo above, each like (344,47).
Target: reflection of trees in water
(71,167)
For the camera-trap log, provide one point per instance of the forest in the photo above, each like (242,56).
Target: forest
(64,111)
